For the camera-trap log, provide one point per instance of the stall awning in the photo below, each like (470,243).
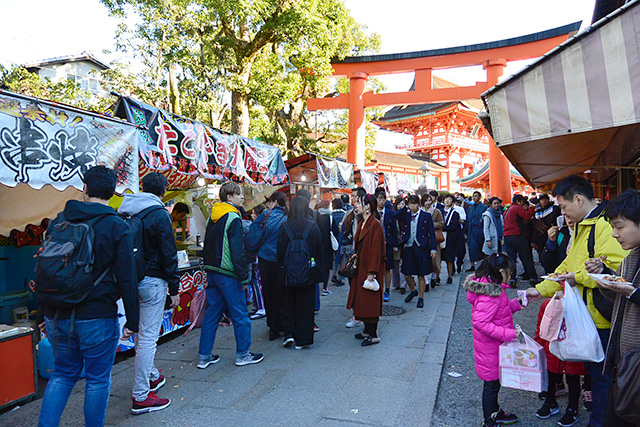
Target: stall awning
(186,148)
(575,108)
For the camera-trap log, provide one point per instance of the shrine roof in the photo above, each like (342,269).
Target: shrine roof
(412,160)
(554,32)
(484,170)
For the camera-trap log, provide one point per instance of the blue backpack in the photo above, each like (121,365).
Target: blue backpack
(297,257)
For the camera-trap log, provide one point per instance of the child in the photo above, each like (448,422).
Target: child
(556,368)
(492,315)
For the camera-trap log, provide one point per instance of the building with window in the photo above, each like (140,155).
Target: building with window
(84,69)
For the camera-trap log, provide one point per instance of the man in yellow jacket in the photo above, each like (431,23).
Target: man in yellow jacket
(592,239)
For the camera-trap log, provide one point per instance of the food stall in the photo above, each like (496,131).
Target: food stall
(187,151)
(576,109)
(45,148)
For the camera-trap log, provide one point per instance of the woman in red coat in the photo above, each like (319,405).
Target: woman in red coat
(370,246)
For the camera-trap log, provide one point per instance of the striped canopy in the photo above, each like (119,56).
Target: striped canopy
(576,107)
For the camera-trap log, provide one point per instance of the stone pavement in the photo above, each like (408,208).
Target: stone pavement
(335,382)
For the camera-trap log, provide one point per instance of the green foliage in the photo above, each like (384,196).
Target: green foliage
(271,55)
(19,80)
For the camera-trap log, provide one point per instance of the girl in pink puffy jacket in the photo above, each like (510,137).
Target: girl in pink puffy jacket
(492,318)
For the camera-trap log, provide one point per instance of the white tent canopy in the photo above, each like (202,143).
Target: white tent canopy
(577,107)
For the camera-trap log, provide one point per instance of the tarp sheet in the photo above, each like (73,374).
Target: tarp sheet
(192,148)
(44,143)
(575,108)
(334,173)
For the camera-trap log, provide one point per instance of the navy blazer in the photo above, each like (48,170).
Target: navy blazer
(426,233)
(390,228)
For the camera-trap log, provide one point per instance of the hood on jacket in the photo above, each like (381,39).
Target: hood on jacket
(76,211)
(481,286)
(133,204)
(220,209)
(324,211)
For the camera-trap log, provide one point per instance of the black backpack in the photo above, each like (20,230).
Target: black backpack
(65,263)
(297,257)
(134,222)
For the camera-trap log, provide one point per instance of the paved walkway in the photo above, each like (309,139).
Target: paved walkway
(336,382)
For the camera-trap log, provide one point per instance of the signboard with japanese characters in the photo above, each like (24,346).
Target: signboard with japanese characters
(189,147)
(46,143)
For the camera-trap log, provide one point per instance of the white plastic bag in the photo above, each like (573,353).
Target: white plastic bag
(371,285)
(523,365)
(334,242)
(578,340)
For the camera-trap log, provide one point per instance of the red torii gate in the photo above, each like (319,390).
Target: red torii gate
(493,56)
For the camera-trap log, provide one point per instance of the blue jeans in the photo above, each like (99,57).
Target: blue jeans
(599,386)
(92,345)
(224,291)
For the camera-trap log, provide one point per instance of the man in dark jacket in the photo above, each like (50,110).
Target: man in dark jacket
(91,339)
(161,269)
(227,278)
(546,216)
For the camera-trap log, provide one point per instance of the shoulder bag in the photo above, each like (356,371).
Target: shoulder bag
(350,268)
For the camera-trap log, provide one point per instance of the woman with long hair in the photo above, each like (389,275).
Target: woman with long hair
(299,292)
(452,228)
(429,205)
(370,247)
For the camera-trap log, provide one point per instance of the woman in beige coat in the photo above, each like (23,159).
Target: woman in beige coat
(428,205)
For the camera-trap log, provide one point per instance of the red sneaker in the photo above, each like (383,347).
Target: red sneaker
(155,385)
(150,404)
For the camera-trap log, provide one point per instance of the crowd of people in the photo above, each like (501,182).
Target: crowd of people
(284,256)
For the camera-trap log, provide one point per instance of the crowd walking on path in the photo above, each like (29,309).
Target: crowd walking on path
(295,249)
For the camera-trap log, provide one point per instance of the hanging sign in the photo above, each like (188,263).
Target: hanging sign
(45,143)
(189,147)
(334,173)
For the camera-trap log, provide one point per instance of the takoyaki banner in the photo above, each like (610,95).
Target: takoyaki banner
(46,143)
(189,147)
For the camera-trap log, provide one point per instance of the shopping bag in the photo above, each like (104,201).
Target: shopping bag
(552,319)
(371,285)
(523,364)
(196,310)
(578,340)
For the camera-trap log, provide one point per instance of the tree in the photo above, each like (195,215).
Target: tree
(271,54)
(19,80)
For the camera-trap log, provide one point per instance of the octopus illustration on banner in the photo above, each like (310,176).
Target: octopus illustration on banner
(191,281)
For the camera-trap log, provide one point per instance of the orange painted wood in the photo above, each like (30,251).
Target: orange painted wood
(17,369)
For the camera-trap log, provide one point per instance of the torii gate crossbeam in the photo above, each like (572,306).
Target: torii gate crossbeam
(493,57)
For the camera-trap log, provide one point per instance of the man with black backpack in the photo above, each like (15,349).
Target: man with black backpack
(157,267)
(84,266)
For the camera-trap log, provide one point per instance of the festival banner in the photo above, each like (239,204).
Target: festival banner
(46,143)
(369,181)
(189,147)
(334,173)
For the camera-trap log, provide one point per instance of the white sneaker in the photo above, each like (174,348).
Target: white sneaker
(352,323)
(258,314)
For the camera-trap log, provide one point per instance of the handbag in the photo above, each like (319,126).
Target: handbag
(350,267)
(626,388)
(439,236)
(334,241)
(371,285)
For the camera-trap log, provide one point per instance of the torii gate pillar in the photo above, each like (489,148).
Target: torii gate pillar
(499,168)
(357,126)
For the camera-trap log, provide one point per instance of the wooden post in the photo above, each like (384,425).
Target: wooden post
(357,129)
(499,168)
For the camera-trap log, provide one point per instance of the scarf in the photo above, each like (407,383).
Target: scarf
(497,214)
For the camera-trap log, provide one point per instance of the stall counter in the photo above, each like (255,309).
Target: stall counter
(192,279)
